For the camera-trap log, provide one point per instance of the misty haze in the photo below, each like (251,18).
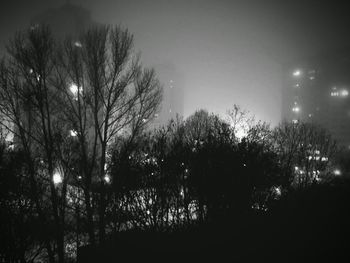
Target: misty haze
(162,130)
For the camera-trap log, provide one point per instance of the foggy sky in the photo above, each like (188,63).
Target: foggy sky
(228,51)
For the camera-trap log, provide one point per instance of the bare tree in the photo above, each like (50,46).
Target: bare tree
(107,94)
(66,103)
(28,101)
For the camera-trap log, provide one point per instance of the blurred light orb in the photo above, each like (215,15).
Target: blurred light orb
(296,109)
(57,178)
(73,133)
(78,44)
(296,73)
(74,89)
(107,179)
(344,93)
(337,172)
(278,190)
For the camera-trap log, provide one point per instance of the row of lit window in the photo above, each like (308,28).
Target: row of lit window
(298,170)
(341,93)
(296,109)
(334,93)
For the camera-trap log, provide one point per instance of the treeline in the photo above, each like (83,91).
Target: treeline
(191,172)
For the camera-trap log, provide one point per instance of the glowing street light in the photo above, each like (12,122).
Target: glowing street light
(74,89)
(77,44)
(337,172)
(296,109)
(57,178)
(344,93)
(73,133)
(277,190)
(107,179)
(297,73)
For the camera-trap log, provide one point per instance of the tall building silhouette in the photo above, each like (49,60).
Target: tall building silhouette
(68,19)
(316,89)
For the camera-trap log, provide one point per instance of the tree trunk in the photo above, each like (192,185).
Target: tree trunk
(101,223)
(90,220)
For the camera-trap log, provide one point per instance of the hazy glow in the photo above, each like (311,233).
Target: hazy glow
(240,133)
(344,93)
(296,109)
(9,137)
(57,178)
(337,172)
(77,44)
(107,179)
(73,133)
(240,130)
(297,73)
(74,89)
(277,190)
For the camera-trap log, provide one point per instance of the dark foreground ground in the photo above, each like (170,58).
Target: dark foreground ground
(311,226)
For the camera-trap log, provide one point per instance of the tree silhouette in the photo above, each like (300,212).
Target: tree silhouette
(66,103)
(306,151)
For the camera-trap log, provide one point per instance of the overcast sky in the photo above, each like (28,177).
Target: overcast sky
(228,51)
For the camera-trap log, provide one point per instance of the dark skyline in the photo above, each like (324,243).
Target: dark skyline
(228,51)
